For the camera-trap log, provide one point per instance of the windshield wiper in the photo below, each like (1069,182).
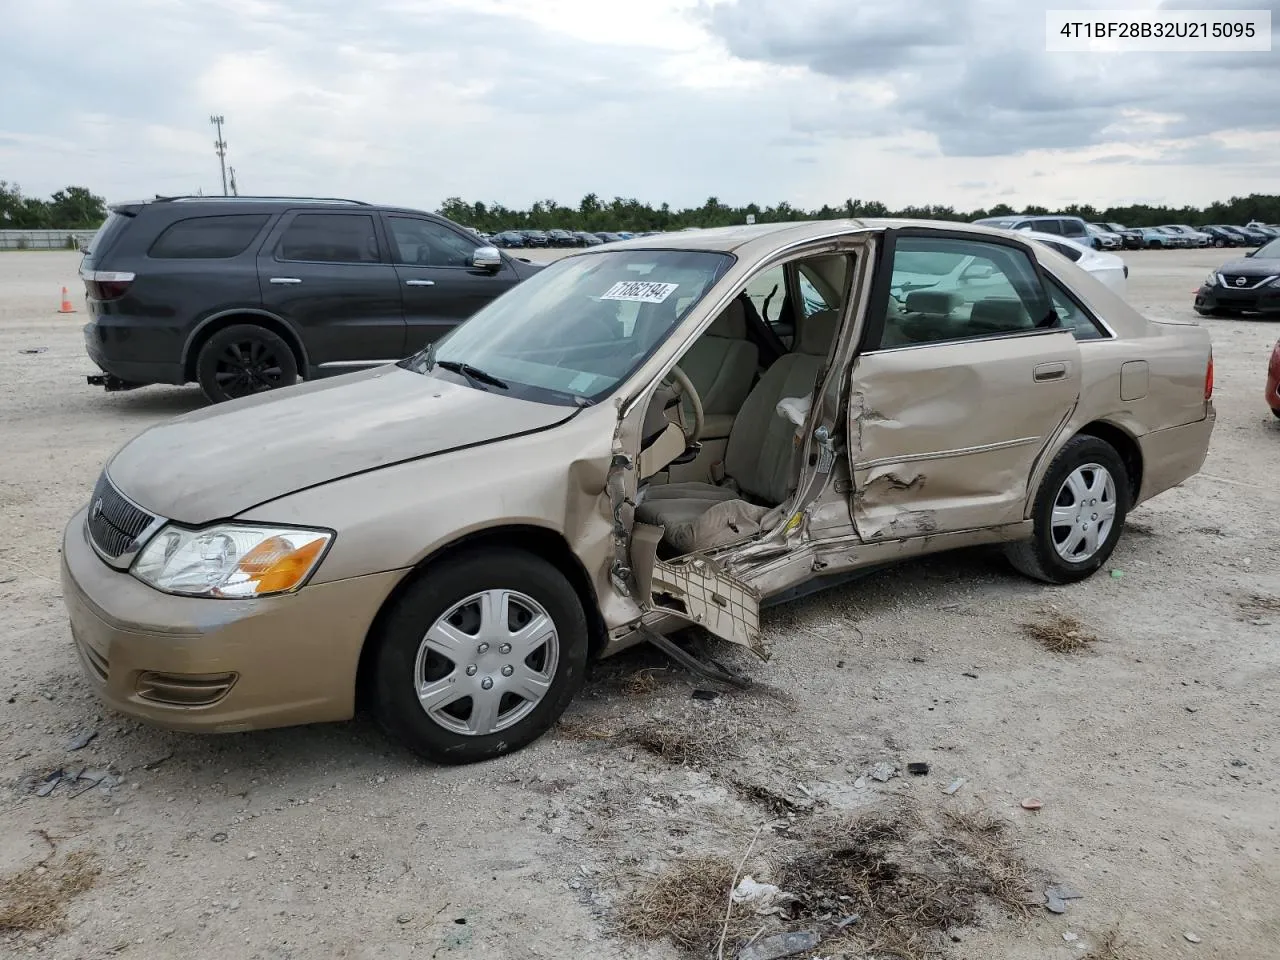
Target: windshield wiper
(474,374)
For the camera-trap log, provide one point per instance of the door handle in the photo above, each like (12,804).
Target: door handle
(419,283)
(285,280)
(1049,371)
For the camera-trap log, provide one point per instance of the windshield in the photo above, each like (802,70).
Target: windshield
(574,331)
(1268,251)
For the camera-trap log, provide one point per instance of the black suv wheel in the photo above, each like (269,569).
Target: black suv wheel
(244,359)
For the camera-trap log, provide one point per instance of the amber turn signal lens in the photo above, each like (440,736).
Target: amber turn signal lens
(276,565)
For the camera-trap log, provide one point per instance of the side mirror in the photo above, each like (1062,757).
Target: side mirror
(486,258)
(978,271)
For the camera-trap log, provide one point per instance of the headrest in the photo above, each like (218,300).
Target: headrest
(816,333)
(999,313)
(732,322)
(931,301)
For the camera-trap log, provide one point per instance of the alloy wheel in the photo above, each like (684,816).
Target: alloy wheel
(248,366)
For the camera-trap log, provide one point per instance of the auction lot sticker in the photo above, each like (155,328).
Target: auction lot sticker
(639,291)
(1157,31)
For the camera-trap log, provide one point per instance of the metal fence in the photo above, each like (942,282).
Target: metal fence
(44,239)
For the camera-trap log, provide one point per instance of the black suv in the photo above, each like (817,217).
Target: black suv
(245,294)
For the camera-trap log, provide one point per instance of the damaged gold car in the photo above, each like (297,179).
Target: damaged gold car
(658,433)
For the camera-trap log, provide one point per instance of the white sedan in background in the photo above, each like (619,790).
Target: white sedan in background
(1105,267)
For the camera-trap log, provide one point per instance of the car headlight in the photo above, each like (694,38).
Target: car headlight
(230,560)
(1211,279)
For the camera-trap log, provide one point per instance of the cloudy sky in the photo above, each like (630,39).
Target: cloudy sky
(810,101)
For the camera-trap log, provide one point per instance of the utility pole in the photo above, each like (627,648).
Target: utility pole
(234,191)
(220,147)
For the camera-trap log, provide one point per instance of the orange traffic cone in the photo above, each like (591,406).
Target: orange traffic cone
(66,303)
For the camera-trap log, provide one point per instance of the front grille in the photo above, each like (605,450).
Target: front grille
(114,522)
(1233,280)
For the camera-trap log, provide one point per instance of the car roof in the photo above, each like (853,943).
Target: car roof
(760,238)
(259,204)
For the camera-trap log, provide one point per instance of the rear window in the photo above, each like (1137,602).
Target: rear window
(208,238)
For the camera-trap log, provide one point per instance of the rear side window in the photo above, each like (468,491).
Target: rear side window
(944,289)
(1071,315)
(208,238)
(1074,228)
(330,238)
(107,234)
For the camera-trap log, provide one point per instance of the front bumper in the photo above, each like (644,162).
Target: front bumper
(217,666)
(1264,299)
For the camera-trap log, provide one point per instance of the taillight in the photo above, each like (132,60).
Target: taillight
(1208,378)
(106,284)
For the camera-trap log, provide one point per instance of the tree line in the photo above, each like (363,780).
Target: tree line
(73,208)
(76,208)
(594,215)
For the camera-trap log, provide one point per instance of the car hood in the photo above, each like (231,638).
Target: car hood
(1251,267)
(220,461)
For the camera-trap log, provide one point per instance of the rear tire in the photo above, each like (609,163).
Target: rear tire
(1078,514)
(463,673)
(242,360)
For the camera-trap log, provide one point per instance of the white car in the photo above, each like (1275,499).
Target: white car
(1105,267)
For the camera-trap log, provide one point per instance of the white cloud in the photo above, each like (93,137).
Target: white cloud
(810,101)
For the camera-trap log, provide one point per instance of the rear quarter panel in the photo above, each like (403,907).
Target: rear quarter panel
(1169,418)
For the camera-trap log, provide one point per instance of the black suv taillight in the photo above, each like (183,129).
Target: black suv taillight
(106,284)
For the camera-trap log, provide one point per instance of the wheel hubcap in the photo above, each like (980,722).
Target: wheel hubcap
(249,366)
(487,662)
(1084,512)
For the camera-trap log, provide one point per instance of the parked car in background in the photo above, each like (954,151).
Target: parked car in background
(536,238)
(1174,238)
(1251,237)
(1222,237)
(1273,380)
(587,239)
(610,237)
(561,238)
(1132,237)
(449,541)
(1073,228)
(246,294)
(1195,238)
(1106,239)
(1107,268)
(1267,231)
(1250,284)
(510,238)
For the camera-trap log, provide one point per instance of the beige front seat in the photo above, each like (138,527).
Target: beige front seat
(721,364)
(760,458)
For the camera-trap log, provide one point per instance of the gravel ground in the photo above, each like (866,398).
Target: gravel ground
(1154,751)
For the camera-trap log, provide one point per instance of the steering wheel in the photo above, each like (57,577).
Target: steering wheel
(683,389)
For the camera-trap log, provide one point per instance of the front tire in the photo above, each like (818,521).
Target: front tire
(242,360)
(1078,514)
(479,657)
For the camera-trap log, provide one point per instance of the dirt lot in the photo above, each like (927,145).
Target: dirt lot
(1154,749)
